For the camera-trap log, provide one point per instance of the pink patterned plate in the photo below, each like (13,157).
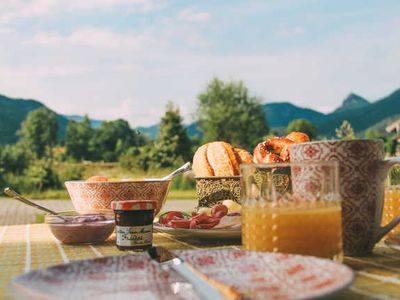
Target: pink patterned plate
(201,233)
(256,275)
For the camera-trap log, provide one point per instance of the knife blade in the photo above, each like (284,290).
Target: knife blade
(207,288)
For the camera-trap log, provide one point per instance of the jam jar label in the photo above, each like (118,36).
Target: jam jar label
(134,235)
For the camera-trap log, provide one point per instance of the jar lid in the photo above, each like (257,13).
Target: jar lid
(134,205)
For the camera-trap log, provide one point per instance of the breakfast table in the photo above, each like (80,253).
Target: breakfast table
(27,247)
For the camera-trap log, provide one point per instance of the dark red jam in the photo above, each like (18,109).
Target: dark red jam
(134,224)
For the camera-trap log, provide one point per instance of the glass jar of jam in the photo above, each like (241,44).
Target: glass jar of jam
(134,224)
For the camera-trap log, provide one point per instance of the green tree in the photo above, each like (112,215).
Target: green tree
(345,131)
(137,158)
(71,171)
(2,182)
(77,137)
(38,133)
(2,171)
(172,145)
(40,175)
(227,112)
(303,125)
(13,159)
(112,139)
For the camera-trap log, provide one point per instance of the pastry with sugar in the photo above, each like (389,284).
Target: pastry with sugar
(277,149)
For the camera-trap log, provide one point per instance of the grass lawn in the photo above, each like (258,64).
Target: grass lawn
(63,194)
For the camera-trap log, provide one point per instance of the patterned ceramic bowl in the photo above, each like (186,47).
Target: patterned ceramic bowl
(214,189)
(96,196)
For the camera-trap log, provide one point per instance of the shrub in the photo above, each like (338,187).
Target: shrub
(39,176)
(13,159)
(128,159)
(71,172)
(136,158)
(183,183)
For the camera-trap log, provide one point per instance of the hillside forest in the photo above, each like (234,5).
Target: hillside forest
(42,157)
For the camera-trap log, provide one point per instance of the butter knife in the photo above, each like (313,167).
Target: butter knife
(207,288)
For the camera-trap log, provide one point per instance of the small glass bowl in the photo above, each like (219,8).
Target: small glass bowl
(76,228)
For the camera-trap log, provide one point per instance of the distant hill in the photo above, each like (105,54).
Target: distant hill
(152,131)
(14,111)
(380,127)
(76,118)
(363,117)
(352,101)
(193,130)
(280,114)
(361,113)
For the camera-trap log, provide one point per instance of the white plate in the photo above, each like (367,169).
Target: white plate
(256,275)
(200,233)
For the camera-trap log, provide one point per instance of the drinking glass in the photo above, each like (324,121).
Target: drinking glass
(292,208)
(391,207)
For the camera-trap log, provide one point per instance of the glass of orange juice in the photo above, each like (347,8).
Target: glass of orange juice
(391,207)
(292,208)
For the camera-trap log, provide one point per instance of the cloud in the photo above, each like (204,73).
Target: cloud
(192,15)
(124,109)
(136,87)
(130,109)
(138,5)
(132,73)
(19,9)
(5,30)
(43,71)
(93,37)
(291,31)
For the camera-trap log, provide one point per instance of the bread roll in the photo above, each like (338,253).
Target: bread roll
(222,159)
(219,159)
(243,156)
(201,166)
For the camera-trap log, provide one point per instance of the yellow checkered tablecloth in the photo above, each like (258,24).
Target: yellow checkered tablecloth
(27,247)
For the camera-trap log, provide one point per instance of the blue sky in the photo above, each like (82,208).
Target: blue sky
(127,58)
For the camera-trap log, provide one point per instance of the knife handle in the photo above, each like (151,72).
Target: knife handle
(203,288)
(228,292)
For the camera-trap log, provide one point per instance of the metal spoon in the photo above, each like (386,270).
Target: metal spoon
(13,194)
(180,170)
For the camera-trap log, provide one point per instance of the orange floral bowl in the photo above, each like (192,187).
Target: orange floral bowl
(98,195)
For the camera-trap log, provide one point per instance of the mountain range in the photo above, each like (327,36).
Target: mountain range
(94,123)
(361,113)
(14,111)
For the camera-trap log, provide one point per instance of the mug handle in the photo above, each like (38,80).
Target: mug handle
(380,231)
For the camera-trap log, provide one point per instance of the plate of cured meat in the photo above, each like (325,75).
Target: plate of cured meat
(222,221)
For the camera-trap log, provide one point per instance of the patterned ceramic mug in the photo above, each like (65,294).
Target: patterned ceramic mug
(362,171)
